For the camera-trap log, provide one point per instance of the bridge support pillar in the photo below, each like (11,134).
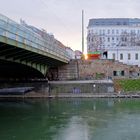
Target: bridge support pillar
(40,67)
(44,69)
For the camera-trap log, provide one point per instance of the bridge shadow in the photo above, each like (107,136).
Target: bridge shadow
(11,70)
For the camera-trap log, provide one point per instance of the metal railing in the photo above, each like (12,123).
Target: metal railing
(19,33)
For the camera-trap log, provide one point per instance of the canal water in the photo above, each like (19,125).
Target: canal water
(70,119)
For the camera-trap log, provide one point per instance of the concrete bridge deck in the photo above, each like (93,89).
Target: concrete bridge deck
(22,45)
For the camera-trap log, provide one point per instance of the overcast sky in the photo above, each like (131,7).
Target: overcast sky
(63,17)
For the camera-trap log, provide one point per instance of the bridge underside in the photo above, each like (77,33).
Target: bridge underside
(19,62)
(11,70)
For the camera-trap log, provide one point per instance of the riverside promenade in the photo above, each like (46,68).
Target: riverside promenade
(75,89)
(81,81)
(71,95)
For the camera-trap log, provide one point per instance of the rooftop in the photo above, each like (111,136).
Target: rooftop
(113,22)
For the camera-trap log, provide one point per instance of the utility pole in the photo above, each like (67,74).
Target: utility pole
(83,31)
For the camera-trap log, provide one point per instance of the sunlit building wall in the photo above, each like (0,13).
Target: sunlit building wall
(70,52)
(107,33)
(129,55)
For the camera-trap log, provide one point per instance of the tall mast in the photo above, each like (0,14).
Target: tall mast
(83,31)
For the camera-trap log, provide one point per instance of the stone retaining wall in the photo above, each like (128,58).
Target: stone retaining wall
(97,69)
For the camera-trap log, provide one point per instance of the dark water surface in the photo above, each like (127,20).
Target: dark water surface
(70,119)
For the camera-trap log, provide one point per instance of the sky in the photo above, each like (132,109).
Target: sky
(63,17)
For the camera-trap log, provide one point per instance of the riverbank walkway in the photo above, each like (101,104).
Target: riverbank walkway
(81,81)
(71,95)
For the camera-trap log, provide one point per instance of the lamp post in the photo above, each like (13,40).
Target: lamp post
(83,31)
(94,87)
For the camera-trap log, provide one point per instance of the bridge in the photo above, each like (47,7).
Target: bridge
(22,48)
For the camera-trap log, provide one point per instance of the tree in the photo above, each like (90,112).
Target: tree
(96,41)
(129,39)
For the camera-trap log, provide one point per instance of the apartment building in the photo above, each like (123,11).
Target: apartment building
(111,36)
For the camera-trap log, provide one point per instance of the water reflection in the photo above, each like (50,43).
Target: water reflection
(70,119)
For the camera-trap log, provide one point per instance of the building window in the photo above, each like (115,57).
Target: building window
(118,23)
(122,39)
(118,73)
(124,23)
(108,39)
(132,31)
(112,38)
(117,31)
(108,31)
(125,39)
(114,73)
(89,39)
(121,56)
(112,31)
(113,55)
(129,56)
(136,56)
(122,73)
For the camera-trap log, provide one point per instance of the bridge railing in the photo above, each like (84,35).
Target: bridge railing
(15,31)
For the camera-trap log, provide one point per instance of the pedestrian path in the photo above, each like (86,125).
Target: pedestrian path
(71,95)
(81,81)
